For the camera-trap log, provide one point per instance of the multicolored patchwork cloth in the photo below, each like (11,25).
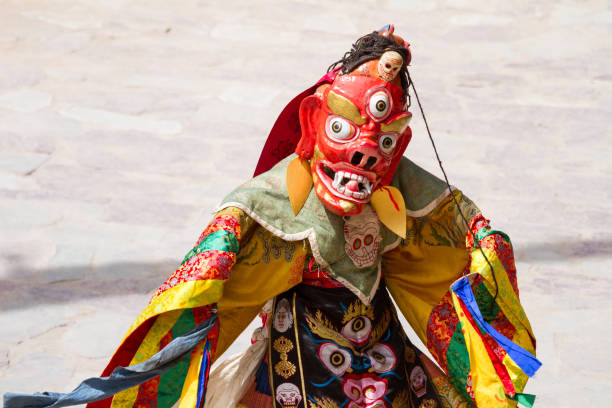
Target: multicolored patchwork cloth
(318,241)
(242,259)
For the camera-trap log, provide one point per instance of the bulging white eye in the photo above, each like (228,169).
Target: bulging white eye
(387,143)
(358,329)
(379,105)
(334,358)
(382,357)
(339,129)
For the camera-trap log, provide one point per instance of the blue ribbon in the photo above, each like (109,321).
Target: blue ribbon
(524,359)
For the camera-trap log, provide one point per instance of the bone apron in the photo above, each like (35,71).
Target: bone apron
(335,224)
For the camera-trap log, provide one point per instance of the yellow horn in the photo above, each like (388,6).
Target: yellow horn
(389,205)
(299,183)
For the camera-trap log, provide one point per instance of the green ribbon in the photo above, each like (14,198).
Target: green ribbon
(486,231)
(219,240)
(523,399)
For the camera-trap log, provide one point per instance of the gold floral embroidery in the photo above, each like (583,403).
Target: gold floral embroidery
(322,327)
(283,345)
(324,402)
(357,309)
(284,368)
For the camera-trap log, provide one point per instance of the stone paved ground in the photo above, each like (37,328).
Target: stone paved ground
(122,124)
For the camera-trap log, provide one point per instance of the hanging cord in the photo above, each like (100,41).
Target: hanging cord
(467,224)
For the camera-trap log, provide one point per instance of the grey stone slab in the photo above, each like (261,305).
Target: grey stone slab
(28,214)
(70,262)
(94,338)
(16,182)
(25,100)
(21,325)
(114,120)
(4,359)
(21,163)
(38,371)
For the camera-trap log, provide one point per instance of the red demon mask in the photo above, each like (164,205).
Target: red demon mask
(354,132)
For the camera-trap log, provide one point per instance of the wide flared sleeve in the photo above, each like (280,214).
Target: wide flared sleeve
(222,283)
(469,317)
(230,274)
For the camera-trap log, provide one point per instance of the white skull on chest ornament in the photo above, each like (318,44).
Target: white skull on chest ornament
(362,236)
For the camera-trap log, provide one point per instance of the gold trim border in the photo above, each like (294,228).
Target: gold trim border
(270,373)
(299,352)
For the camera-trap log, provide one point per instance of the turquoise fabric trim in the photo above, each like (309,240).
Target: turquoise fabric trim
(486,231)
(523,399)
(220,240)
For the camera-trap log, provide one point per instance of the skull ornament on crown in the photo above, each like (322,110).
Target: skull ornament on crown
(355,130)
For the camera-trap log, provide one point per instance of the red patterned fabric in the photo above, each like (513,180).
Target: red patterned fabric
(205,265)
(222,222)
(443,319)
(440,329)
(496,243)
(314,275)
(504,252)
(147,394)
(495,351)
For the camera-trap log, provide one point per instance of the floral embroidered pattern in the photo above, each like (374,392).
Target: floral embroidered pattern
(440,328)
(205,265)
(222,223)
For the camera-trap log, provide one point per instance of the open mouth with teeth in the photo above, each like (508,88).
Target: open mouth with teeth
(346,182)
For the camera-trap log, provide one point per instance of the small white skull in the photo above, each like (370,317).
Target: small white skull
(288,395)
(389,65)
(283,318)
(362,236)
(418,381)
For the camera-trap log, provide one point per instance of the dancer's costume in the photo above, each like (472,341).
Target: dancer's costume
(318,244)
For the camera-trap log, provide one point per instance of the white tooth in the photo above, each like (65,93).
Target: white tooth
(360,179)
(353,176)
(340,174)
(337,179)
(340,189)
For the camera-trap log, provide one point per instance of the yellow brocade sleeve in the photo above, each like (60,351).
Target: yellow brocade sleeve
(420,271)
(233,269)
